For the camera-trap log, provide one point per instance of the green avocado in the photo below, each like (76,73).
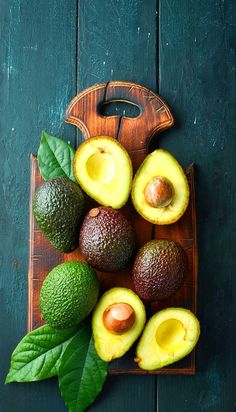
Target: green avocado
(159,269)
(68,294)
(169,335)
(58,207)
(107,239)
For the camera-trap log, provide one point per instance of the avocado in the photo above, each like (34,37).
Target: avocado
(68,294)
(160,191)
(169,335)
(118,319)
(107,239)
(58,207)
(103,169)
(159,269)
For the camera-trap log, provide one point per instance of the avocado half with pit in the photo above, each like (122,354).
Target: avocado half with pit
(118,319)
(169,336)
(160,191)
(104,171)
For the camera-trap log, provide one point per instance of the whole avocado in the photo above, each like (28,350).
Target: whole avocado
(58,207)
(68,294)
(107,239)
(159,269)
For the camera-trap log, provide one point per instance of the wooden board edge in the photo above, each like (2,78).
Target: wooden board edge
(184,371)
(165,371)
(33,160)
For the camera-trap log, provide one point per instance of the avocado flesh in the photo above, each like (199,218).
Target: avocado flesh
(169,336)
(107,239)
(104,171)
(58,207)
(108,345)
(161,163)
(159,269)
(68,294)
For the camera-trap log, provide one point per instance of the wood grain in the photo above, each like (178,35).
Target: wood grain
(186,49)
(133,133)
(197,61)
(43,257)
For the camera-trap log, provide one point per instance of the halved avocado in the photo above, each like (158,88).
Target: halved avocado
(160,191)
(169,336)
(118,319)
(104,171)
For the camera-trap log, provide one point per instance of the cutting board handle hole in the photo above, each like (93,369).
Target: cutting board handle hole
(120,108)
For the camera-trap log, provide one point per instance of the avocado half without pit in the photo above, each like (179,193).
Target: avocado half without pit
(160,191)
(104,171)
(118,319)
(169,336)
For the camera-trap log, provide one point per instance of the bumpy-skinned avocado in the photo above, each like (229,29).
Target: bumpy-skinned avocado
(107,239)
(169,336)
(118,319)
(160,191)
(104,171)
(68,294)
(58,207)
(159,269)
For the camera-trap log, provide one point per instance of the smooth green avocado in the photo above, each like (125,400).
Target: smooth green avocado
(159,269)
(118,319)
(169,336)
(107,239)
(58,207)
(68,294)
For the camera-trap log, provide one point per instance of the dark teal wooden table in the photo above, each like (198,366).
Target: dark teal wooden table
(184,50)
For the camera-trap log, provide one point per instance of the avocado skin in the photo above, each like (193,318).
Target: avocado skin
(58,207)
(68,294)
(107,240)
(159,269)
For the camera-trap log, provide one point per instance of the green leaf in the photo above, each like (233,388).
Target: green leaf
(38,354)
(82,373)
(55,157)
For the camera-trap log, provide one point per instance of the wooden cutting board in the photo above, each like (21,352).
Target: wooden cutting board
(134,134)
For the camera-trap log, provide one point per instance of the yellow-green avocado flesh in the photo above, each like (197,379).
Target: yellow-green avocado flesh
(108,345)
(104,171)
(160,163)
(169,336)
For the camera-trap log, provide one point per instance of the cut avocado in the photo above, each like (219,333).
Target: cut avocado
(107,239)
(68,294)
(104,171)
(159,269)
(169,335)
(58,207)
(118,320)
(160,191)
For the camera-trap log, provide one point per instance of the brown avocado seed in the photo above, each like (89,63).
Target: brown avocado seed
(159,192)
(118,318)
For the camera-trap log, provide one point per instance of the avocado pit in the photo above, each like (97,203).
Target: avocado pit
(118,318)
(159,192)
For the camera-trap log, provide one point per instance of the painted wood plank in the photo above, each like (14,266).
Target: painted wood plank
(117,41)
(197,65)
(37,63)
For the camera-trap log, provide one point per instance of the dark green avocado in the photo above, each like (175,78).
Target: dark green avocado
(159,269)
(107,239)
(58,207)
